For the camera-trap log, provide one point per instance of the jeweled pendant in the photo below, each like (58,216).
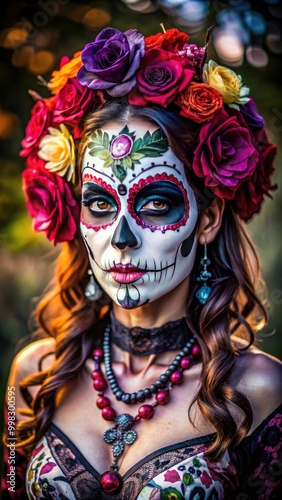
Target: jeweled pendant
(111,482)
(203,294)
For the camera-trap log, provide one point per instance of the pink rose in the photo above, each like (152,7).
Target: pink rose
(160,78)
(37,127)
(172,476)
(225,155)
(249,196)
(73,102)
(51,204)
(121,146)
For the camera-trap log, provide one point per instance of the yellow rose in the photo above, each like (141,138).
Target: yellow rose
(57,148)
(69,70)
(227,83)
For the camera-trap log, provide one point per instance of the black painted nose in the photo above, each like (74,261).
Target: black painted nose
(123,236)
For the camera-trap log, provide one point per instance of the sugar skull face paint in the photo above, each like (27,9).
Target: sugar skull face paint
(140,233)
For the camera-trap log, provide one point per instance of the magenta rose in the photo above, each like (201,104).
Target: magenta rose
(250,195)
(121,146)
(111,61)
(225,155)
(73,102)
(37,127)
(51,204)
(162,75)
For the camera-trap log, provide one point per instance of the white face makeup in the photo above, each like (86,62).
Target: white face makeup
(140,232)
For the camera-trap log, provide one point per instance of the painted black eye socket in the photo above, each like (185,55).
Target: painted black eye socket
(98,206)
(160,203)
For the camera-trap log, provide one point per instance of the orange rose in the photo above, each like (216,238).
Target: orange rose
(172,40)
(67,70)
(199,102)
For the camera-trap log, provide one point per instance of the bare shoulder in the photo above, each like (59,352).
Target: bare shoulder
(26,362)
(259,376)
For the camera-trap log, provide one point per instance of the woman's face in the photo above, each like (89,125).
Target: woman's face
(139,214)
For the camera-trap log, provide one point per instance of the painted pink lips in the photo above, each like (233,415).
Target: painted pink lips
(126,273)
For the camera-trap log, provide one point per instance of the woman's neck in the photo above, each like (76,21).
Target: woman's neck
(168,308)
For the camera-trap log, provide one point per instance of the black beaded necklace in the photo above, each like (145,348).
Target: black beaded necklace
(122,433)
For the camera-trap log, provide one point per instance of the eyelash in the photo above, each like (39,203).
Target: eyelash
(88,201)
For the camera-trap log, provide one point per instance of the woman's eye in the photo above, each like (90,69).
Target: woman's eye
(99,205)
(155,205)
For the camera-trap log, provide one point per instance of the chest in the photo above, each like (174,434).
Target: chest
(81,421)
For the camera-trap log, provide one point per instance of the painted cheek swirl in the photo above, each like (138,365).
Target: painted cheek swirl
(94,188)
(159,203)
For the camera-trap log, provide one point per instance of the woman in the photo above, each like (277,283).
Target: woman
(146,383)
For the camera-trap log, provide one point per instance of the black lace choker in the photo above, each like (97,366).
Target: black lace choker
(145,341)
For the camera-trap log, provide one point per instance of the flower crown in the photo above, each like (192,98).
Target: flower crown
(233,156)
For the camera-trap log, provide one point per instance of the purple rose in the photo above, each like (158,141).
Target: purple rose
(121,146)
(225,155)
(250,113)
(111,61)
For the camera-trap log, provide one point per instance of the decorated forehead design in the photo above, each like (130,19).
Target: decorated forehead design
(121,152)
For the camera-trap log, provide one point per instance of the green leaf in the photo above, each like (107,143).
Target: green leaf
(127,162)
(104,155)
(119,171)
(187,479)
(96,150)
(136,156)
(126,131)
(136,145)
(152,145)
(171,494)
(108,162)
(157,135)
(106,140)
(196,462)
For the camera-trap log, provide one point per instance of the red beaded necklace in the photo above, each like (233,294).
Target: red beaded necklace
(122,433)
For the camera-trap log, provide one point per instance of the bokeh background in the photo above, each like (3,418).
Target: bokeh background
(33,38)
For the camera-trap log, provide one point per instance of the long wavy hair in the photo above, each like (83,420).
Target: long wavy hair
(77,324)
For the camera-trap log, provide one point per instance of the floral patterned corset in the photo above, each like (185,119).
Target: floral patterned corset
(58,470)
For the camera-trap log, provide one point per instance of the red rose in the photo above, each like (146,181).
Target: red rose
(51,204)
(199,102)
(73,102)
(225,155)
(161,76)
(37,127)
(172,40)
(172,476)
(249,196)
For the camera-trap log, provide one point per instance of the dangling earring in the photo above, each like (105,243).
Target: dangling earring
(204,292)
(92,290)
